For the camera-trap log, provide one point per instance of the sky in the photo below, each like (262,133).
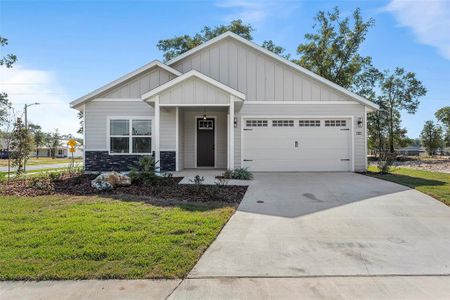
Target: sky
(68,48)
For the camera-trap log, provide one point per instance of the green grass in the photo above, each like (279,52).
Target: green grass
(65,237)
(43,161)
(435,184)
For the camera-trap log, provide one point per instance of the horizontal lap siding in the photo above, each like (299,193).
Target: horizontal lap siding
(259,76)
(168,128)
(96,114)
(355,110)
(189,129)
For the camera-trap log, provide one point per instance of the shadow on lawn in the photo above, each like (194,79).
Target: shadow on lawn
(406,180)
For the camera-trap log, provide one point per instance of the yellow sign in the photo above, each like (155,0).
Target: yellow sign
(71,150)
(72,143)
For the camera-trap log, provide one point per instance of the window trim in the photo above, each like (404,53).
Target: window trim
(130,133)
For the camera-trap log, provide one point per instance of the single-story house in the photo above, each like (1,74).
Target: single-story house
(227,103)
(62,151)
(412,150)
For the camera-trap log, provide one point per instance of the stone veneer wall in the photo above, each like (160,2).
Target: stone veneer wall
(99,161)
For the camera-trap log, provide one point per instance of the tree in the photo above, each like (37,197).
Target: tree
(38,136)
(22,145)
(431,137)
(180,44)
(7,132)
(443,116)
(53,141)
(7,61)
(332,51)
(400,90)
(81,118)
(269,45)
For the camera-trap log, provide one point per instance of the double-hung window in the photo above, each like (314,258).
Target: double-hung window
(130,136)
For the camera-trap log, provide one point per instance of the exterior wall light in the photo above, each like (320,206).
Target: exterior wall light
(235,122)
(360,122)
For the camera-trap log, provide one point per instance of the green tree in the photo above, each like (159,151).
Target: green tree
(443,116)
(269,45)
(81,118)
(332,51)
(38,136)
(431,137)
(21,145)
(8,60)
(180,44)
(400,90)
(53,141)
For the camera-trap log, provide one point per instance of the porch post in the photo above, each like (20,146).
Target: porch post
(231,134)
(157,129)
(177,138)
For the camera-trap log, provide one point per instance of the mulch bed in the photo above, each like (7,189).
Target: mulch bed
(169,189)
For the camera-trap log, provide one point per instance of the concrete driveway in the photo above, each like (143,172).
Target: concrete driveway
(331,224)
(341,226)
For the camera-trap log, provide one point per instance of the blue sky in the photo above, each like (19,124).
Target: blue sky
(68,48)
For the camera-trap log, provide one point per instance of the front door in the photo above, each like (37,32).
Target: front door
(205,142)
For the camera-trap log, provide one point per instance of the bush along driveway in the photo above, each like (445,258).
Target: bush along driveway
(435,184)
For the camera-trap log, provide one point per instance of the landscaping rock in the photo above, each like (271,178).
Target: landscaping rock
(110,180)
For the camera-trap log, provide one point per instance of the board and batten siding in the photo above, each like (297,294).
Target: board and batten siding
(193,91)
(96,116)
(140,84)
(256,74)
(295,110)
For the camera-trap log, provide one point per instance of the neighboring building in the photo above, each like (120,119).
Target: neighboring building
(3,149)
(412,151)
(61,152)
(227,103)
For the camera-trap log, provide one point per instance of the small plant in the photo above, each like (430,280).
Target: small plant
(145,171)
(385,162)
(198,181)
(239,173)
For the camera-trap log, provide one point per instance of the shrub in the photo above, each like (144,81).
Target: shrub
(145,171)
(385,162)
(239,173)
(198,181)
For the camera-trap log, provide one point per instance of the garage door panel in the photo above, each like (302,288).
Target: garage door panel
(317,149)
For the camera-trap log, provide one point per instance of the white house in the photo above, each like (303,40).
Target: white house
(227,103)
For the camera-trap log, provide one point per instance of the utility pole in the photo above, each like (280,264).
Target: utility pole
(26,124)
(26,113)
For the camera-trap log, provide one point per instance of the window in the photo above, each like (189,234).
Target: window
(205,124)
(335,123)
(282,123)
(256,123)
(130,136)
(309,123)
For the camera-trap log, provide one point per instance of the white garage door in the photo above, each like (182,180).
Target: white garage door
(297,144)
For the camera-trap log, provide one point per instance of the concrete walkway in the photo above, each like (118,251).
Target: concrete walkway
(88,289)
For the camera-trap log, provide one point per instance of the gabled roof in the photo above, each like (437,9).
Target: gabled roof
(310,74)
(130,75)
(188,75)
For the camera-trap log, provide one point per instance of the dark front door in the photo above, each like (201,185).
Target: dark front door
(205,142)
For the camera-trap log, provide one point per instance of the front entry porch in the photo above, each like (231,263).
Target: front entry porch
(194,124)
(193,137)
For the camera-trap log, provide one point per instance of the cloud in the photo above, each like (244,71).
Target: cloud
(429,20)
(25,85)
(255,11)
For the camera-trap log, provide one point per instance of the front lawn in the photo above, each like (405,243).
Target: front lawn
(86,237)
(435,184)
(43,161)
